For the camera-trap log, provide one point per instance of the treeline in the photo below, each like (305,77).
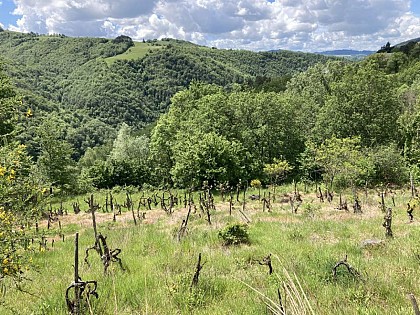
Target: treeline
(345,124)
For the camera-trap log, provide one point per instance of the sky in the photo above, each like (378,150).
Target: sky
(303,25)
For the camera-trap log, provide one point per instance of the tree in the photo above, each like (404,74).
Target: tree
(207,157)
(20,192)
(277,170)
(129,148)
(390,166)
(130,155)
(362,104)
(8,108)
(55,160)
(342,161)
(260,125)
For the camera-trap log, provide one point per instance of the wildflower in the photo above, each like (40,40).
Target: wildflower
(11,176)
(2,171)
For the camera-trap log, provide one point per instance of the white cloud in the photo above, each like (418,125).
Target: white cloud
(309,25)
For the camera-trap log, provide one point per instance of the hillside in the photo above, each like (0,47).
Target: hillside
(103,82)
(410,48)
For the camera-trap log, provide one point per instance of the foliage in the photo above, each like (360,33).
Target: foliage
(125,163)
(363,87)
(342,161)
(255,183)
(55,160)
(207,157)
(248,125)
(390,166)
(234,234)
(20,185)
(102,83)
(277,170)
(14,243)
(8,108)
(20,192)
(259,107)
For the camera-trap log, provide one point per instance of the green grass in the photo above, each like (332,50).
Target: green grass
(160,269)
(138,51)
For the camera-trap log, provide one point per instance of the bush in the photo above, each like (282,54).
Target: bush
(234,234)
(255,183)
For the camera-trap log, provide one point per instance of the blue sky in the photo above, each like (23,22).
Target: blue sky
(306,25)
(6,9)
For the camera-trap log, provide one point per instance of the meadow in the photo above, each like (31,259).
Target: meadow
(139,50)
(302,247)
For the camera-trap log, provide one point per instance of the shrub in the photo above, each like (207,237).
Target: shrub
(234,234)
(255,183)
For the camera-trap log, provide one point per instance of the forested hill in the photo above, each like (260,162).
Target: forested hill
(99,83)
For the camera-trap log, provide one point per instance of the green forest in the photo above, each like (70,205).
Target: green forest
(86,115)
(182,114)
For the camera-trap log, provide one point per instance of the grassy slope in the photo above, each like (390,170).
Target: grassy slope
(160,269)
(139,50)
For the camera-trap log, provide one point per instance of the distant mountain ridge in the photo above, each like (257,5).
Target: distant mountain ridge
(347,53)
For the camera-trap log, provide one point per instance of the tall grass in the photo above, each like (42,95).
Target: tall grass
(160,268)
(294,300)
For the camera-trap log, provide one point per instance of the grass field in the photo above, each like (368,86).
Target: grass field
(233,279)
(139,50)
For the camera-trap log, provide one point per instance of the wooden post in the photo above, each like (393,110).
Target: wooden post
(76,309)
(383,202)
(130,207)
(387,223)
(95,231)
(264,202)
(197,272)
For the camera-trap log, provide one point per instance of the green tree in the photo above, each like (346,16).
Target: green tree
(130,148)
(277,170)
(207,157)
(20,192)
(8,108)
(364,104)
(55,160)
(261,124)
(130,155)
(390,166)
(342,161)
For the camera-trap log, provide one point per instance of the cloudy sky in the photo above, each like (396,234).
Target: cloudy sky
(306,25)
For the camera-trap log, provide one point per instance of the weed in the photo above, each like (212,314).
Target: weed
(234,234)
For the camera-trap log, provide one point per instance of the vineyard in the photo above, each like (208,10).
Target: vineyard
(296,249)
(170,182)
